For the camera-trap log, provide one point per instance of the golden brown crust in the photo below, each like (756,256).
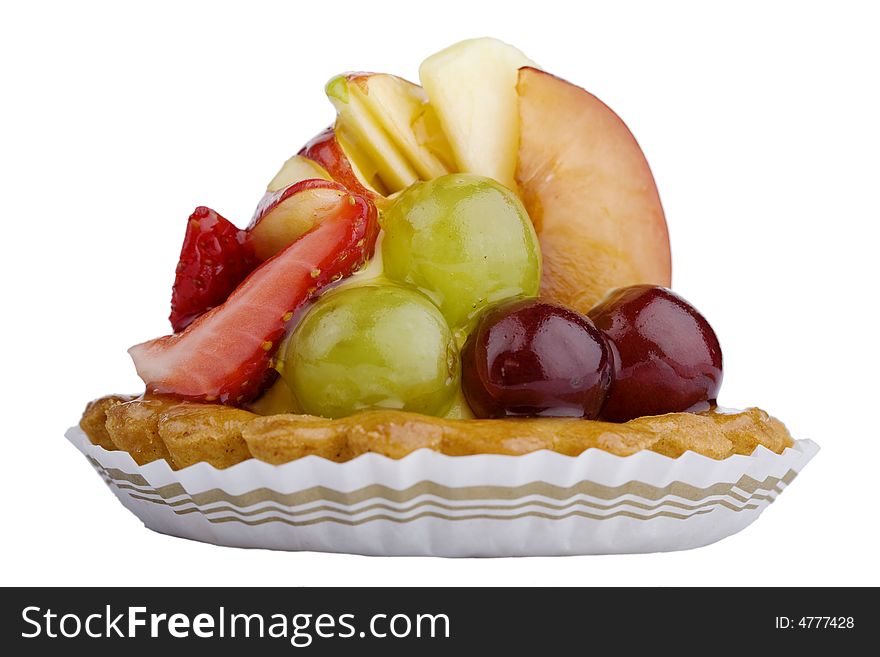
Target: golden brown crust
(186,433)
(95,417)
(270,439)
(741,431)
(201,432)
(134,427)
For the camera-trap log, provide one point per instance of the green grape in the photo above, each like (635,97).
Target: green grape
(465,241)
(372,346)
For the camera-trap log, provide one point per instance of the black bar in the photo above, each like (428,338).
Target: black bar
(515,620)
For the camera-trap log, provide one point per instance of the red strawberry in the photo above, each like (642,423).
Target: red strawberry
(227,354)
(215,257)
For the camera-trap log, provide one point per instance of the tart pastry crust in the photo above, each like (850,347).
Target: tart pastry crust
(185,433)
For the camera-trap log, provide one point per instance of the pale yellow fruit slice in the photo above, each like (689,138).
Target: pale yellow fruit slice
(472,87)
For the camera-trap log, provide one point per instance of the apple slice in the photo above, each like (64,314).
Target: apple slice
(401,108)
(363,137)
(283,216)
(589,191)
(294,170)
(472,87)
(326,150)
(386,127)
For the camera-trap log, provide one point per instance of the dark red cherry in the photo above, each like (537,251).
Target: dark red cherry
(535,358)
(667,357)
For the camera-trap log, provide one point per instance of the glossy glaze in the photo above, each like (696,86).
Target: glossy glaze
(667,357)
(531,358)
(463,240)
(372,346)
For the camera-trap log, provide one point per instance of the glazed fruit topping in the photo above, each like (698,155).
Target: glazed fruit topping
(535,358)
(372,346)
(285,214)
(462,261)
(326,151)
(667,357)
(227,354)
(589,189)
(463,240)
(215,257)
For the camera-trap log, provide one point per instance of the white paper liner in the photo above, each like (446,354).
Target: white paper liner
(427,503)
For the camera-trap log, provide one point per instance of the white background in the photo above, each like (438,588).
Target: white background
(761,126)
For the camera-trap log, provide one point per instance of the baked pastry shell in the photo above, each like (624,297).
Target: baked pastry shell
(431,504)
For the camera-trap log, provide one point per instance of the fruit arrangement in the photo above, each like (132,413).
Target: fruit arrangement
(475,266)
(489,245)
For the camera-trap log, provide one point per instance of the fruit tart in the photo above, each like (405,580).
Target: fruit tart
(476,266)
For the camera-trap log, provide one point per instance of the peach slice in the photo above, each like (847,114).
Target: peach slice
(590,193)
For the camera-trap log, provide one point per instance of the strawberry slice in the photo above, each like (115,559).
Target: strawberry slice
(215,257)
(227,354)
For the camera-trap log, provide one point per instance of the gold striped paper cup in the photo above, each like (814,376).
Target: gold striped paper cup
(430,504)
